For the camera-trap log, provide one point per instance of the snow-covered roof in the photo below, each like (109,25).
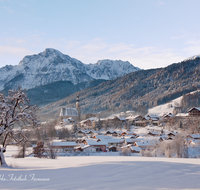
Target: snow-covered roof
(82,147)
(139,139)
(94,142)
(130,111)
(114,140)
(136,148)
(182,114)
(66,143)
(194,108)
(102,137)
(144,143)
(68,112)
(154,133)
(171,133)
(90,119)
(195,136)
(152,116)
(130,118)
(129,140)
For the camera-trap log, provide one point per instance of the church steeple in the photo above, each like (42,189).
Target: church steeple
(78,107)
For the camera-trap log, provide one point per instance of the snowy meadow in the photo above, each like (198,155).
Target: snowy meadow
(100,172)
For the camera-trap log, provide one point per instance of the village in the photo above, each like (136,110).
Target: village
(128,134)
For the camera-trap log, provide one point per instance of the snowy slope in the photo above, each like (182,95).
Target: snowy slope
(101,172)
(51,65)
(165,108)
(168,107)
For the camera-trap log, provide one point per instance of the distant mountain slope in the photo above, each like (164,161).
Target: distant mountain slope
(51,66)
(55,91)
(141,89)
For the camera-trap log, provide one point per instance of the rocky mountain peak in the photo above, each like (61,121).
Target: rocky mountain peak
(51,65)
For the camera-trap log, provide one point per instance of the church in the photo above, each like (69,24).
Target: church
(71,114)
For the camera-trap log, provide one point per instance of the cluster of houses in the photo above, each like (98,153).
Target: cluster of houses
(115,141)
(137,120)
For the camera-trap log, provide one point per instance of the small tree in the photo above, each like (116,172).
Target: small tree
(38,151)
(74,128)
(15,111)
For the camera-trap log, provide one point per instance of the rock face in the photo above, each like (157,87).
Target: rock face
(51,66)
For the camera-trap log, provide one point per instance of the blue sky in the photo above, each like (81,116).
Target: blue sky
(147,33)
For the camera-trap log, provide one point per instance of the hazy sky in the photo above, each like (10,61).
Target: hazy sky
(147,33)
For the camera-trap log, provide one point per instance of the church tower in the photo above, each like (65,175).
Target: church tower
(78,107)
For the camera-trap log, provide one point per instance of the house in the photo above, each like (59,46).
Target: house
(112,148)
(113,121)
(99,145)
(81,133)
(140,121)
(194,112)
(130,120)
(110,140)
(108,133)
(129,141)
(115,134)
(144,145)
(171,134)
(124,133)
(194,143)
(69,120)
(138,139)
(89,123)
(194,136)
(153,133)
(153,119)
(168,116)
(114,141)
(85,148)
(64,145)
(135,149)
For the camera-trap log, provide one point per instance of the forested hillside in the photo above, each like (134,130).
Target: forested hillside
(136,91)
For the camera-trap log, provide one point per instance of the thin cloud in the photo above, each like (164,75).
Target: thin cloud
(7,9)
(17,51)
(143,57)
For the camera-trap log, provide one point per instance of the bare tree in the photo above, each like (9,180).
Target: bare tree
(15,111)
(178,145)
(167,148)
(63,133)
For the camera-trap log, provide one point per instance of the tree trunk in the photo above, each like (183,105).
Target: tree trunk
(2,158)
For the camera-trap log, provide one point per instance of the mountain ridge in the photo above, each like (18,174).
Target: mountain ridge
(51,66)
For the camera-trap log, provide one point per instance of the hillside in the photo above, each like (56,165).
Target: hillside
(135,91)
(55,91)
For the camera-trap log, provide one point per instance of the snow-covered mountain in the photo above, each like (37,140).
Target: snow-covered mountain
(192,58)
(109,69)
(51,65)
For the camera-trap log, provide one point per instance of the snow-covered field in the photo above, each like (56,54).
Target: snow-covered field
(100,172)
